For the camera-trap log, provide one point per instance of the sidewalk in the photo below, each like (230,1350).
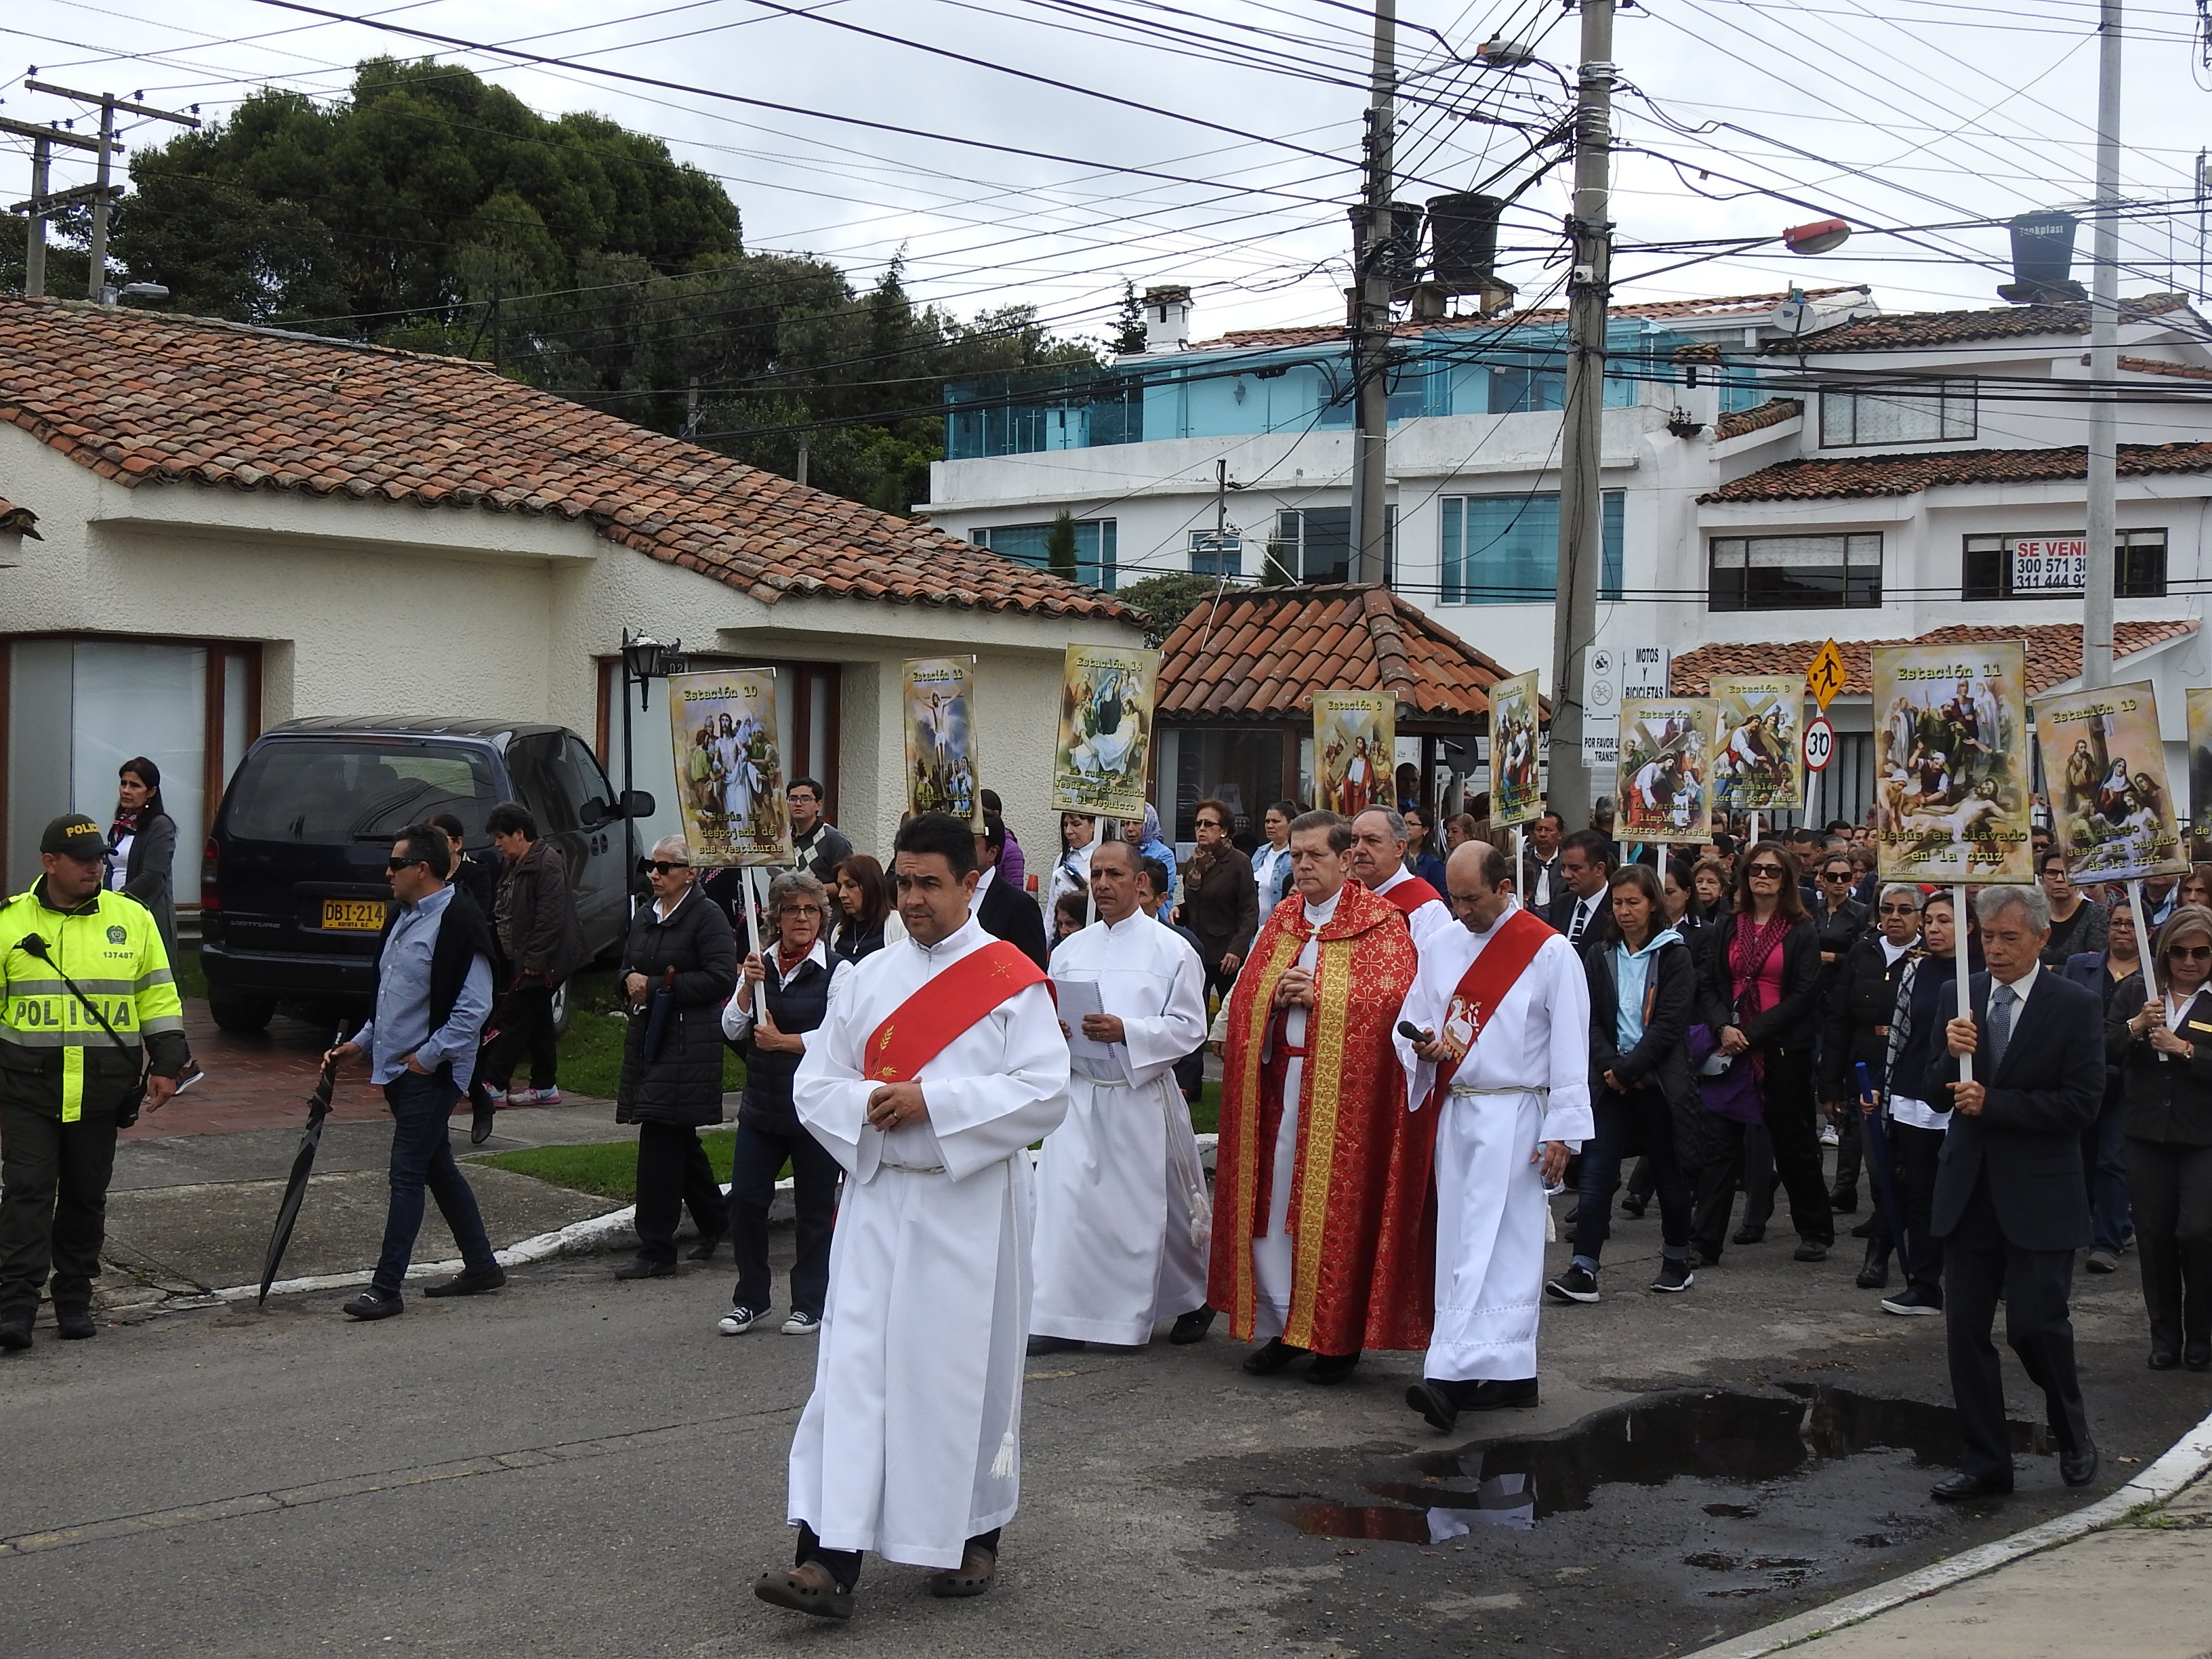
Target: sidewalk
(2125,1574)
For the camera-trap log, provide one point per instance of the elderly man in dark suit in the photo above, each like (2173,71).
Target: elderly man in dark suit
(2010,1203)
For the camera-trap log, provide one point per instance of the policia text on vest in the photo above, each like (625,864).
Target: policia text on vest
(62,1076)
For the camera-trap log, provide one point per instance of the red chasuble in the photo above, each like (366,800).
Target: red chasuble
(1362,1207)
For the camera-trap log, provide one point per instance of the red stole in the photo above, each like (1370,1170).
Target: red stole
(1485,984)
(1411,894)
(920,1029)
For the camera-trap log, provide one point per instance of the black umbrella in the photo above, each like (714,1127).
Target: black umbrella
(295,1185)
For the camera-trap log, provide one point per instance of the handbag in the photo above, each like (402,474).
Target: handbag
(134,1098)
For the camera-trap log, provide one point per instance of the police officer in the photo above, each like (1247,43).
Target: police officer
(63,1077)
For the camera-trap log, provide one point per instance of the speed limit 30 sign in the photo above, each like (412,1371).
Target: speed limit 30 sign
(1820,743)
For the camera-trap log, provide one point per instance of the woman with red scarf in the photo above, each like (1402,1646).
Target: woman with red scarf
(1758,991)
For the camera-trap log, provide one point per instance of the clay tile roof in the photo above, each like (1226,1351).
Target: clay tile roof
(1815,478)
(2161,366)
(1754,305)
(143,398)
(1913,329)
(2054,653)
(18,520)
(1773,412)
(1262,653)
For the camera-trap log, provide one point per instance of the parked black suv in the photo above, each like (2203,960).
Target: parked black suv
(292,884)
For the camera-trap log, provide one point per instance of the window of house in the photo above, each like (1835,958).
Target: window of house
(1094,546)
(1216,555)
(2044,567)
(1314,544)
(1896,414)
(1504,549)
(1796,572)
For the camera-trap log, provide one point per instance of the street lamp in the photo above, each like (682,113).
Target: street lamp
(644,659)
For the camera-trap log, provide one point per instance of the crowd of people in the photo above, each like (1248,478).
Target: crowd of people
(1418,1044)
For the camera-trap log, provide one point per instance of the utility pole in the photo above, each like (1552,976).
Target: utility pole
(104,192)
(1581,502)
(1372,261)
(43,203)
(2101,532)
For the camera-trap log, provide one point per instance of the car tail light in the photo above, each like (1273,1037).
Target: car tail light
(210,876)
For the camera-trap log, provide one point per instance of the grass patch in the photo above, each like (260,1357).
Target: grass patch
(1205,1112)
(591,1052)
(191,981)
(608,1168)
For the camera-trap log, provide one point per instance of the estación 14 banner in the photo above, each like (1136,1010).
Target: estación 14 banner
(1759,766)
(2103,769)
(1951,783)
(1666,759)
(730,769)
(1516,789)
(1105,731)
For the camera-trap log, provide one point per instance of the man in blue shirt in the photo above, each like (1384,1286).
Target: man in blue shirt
(433,982)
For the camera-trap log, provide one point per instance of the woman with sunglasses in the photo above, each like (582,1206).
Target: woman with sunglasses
(2165,1046)
(1861,996)
(679,965)
(1220,899)
(1759,992)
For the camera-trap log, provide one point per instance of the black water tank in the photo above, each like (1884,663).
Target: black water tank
(1463,240)
(1400,254)
(2042,248)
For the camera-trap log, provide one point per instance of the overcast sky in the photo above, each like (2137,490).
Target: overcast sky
(1895,113)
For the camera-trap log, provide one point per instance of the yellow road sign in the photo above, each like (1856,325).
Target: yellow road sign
(1826,675)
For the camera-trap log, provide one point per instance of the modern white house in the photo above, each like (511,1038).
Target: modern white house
(208,529)
(1778,470)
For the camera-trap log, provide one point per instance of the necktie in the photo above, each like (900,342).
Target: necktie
(2001,1002)
(1581,920)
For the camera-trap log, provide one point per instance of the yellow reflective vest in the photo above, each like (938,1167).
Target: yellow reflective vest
(111,948)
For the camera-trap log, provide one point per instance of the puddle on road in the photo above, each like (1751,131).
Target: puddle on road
(1720,1435)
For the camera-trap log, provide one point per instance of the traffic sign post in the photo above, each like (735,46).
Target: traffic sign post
(1818,743)
(1826,675)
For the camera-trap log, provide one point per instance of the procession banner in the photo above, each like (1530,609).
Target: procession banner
(1516,792)
(1665,761)
(1951,783)
(942,768)
(1355,749)
(1105,731)
(723,724)
(2105,765)
(1759,765)
(2200,765)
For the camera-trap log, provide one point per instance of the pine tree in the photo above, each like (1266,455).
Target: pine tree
(1060,546)
(1129,321)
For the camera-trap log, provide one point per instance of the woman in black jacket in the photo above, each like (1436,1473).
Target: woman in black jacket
(864,904)
(1758,991)
(1640,1079)
(1220,898)
(784,993)
(144,837)
(2165,1048)
(680,966)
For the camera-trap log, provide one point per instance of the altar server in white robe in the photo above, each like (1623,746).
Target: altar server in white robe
(1122,1211)
(910,1445)
(1514,1108)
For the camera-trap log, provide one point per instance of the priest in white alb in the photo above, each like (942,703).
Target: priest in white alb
(1122,1212)
(1503,1005)
(1379,840)
(940,1061)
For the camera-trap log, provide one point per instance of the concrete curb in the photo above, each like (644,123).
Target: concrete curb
(2185,1461)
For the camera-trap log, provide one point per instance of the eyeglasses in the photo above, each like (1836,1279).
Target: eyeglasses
(1212,824)
(801,911)
(662,866)
(2190,952)
(1773,870)
(392,865)
(1832,875)
(1900,910)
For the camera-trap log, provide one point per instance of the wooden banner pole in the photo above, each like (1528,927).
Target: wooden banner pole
(2142,937)
(1962,921)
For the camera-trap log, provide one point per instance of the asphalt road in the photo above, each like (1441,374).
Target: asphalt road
(581,1467)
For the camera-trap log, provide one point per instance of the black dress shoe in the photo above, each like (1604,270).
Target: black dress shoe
(2198,1356)
(1873,1272)
(704,1249)
(640,1266)
(15,1328)
(1270,1357)
(1055,1345)
(1810,1251)
(372,1303)
(1492,1394)
(2078,1468)
(1192,1327)
(2163,1360)
(75,1321)
(1865,1229)
(1633,1206)
(480,1123)
(1957,1488)
(1329,1368)
(1435,1404)
(469,1283)
(1748,1234)
(1844,1200)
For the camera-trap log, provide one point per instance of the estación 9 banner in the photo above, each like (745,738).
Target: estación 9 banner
(1951,759)
(1759,766)
(2103,769)
(1666,759)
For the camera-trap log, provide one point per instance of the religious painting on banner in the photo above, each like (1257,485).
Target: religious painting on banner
(1666,761)
(1105,731)
(1355,751)
(1759,766)
(1951,783)
(2200,765)
(2104,768)
(1517,790)
(723,721)
(941,767)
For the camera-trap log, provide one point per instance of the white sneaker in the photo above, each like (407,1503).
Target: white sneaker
(801,1324)
(1829,1137)
(739,1320)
